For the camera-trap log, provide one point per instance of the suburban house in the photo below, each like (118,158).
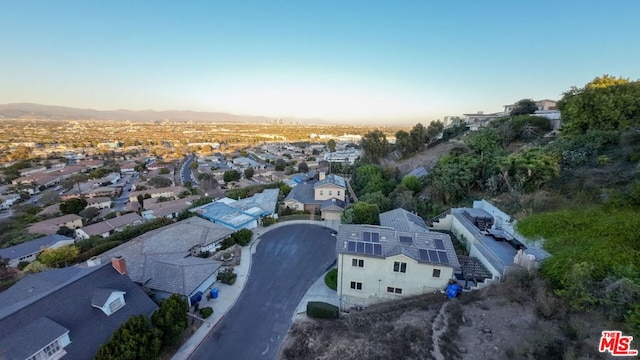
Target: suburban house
(312,196)
(169,209)
(67,313)
(108,227)
(164,260)
(101,202)
(168,192)
(128,167)
(347,156)
(241,214)
(381,263)
(244,162)
(51,226)
(491,239)
(28,251)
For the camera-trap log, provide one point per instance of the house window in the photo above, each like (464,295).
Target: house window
(330,193)
(357,262)
(338,192)
(436,273)
(356,285)
(50,350)
(321,193)
(393,290)
(400,267)
(116,304)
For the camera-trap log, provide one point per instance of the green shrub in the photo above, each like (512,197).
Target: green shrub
(242,237)
(331,279)
(97,250)
(205,312)
(322,310)
(227,277)
(22,265)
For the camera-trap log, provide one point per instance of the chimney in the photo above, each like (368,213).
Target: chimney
(119,264)
(321,175)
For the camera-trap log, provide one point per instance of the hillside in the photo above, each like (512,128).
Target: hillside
(512,320)
(38,111)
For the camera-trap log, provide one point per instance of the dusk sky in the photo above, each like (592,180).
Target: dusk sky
(323,59)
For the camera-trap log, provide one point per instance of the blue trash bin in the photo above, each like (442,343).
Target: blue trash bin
(214,293)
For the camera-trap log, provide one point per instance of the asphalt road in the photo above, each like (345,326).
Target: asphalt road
(185,171)
(287,262)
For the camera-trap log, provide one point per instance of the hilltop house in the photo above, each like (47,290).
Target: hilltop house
(67,312)
(328,194)
(490,237)
(381,263)
(163,259)
(28,251)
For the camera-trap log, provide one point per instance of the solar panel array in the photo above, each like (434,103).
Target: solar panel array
(437,256)
(370,236)
(406,240)
(365,248)
(439,244)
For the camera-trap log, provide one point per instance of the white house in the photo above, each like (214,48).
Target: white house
(379,263)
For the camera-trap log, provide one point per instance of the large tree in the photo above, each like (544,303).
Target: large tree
(524,107)
(331,145)
(73,206)
(375,146)
(404,142)
(365,213)
(171,319)
(231,175)
(159,182)
(59,257)
(136,339)
(603,104)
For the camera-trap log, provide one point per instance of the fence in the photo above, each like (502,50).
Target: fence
(299,217)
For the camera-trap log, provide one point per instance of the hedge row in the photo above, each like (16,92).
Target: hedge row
(322,310)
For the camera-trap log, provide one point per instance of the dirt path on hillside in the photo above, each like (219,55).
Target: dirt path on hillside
(439,328)
(427,158)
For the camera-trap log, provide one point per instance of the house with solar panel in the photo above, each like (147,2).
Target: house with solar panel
(383,263)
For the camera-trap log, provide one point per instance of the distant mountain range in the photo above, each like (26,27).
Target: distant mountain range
(38,111)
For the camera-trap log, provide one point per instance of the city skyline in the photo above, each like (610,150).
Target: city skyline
(325,60)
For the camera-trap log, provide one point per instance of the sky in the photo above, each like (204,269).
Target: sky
(379,61)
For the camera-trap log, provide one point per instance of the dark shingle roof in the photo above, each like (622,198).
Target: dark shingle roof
(326,204)
(21,343)
(68,303)
(30,247)
(100,296)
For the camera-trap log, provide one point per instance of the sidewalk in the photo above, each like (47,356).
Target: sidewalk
(319,291)
(227,297)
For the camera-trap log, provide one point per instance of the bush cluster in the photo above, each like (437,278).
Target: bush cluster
(205,312)
(227,277)
(322,310)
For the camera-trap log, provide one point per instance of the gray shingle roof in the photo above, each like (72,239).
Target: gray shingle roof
(100,296)
(64,297)
(389,239)
(401,219)
(333,203)
(169,245)
(30,247)
(181,276)
(303,193)
(331,179)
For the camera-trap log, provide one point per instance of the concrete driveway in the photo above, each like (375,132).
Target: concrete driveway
(288,260)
